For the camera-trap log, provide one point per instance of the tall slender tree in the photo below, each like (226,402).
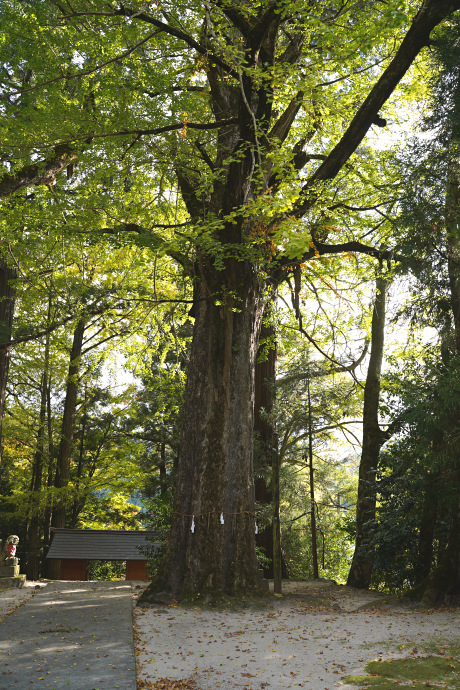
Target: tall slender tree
(373,439)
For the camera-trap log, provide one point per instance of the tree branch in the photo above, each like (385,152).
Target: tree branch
(237,19)
(139,230)
(177,33)
(375,207)
(337,368)
(37,334)
(281,128)
(430,14)
(395,426)
(42,172)
(157,130)
(205,156)
(321,248)
(261,26)
(92,311)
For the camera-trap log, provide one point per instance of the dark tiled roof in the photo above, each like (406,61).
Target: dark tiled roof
(100,544)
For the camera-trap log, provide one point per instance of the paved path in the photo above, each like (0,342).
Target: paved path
(70,636)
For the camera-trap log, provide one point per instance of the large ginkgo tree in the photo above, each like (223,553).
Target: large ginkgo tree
(215,132)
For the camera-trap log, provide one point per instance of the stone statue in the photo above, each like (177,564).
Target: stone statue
(9,565)
(8,551)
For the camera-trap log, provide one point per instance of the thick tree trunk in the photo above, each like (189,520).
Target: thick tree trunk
(212,539)
(453,251)
(65,447)
(266,449)
(7,299)
(373,438)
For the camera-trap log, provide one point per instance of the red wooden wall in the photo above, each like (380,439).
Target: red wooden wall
(76,569)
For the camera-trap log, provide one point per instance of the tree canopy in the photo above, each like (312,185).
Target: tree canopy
(170,173)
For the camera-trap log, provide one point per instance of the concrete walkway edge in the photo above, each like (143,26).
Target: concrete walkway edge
(70,635)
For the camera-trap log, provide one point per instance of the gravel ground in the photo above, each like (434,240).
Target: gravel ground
(313,637)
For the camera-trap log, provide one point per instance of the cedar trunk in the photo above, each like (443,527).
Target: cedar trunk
(373,438)
(277,563)
(215,465)
(445,578)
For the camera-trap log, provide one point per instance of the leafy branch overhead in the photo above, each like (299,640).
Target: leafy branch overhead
(231,43)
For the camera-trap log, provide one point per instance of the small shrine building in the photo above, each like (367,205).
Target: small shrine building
(75,548)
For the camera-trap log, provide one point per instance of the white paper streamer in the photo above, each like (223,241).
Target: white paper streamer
(221,518)
(192,528)
(257,529)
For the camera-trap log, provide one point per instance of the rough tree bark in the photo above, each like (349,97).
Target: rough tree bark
(214,521)
(373,439)
(276,526)
(444,580)
(78,503)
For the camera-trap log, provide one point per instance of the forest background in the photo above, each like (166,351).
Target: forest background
(254,206)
